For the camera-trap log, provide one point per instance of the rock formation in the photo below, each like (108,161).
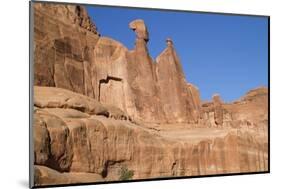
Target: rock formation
(142,77)
(64,37)
(179,99)
(218,111)
(99,107)
(70,54)
(82,140)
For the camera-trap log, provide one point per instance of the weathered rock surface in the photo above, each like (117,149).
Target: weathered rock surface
(251,111)
(194,102)
(76,105)
(140,28)
(70,54)
(70,14)
(218,110)
(46,176)
(142,76)
(180,101)
(99,108)
(64,37)
(72,143)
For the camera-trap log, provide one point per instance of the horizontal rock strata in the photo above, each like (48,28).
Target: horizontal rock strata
(72,140)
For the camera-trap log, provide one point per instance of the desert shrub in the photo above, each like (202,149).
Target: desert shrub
(126,174)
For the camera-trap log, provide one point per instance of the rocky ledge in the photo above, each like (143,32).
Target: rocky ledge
(76,141)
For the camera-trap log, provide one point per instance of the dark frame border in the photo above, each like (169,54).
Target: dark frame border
(31,158)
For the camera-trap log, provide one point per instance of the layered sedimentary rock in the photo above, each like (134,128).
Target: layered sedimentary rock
(218,110)
(47,176)
(251,111)
(110,75)
(70,54)
(75,140)
(180,101)
(142,77)
(64,37)
(100,108)
(194,102)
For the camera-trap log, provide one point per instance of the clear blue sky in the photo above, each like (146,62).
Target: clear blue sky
(220,53)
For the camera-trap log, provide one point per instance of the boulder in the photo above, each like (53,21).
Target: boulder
(140,29)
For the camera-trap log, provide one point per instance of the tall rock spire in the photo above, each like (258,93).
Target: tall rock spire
(142,76)
(142,37)
(176,98)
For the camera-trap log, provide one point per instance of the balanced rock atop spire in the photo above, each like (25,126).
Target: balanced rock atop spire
(99,107)
(98,67)
(141,74)
(140,29)
(180,101)
(169,42)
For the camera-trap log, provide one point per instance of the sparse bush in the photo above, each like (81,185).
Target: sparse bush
(126,174)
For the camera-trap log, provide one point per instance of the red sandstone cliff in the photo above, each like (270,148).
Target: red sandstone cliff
(99,107)
(70,54)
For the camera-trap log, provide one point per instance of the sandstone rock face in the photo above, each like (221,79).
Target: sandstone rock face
(142,76)
(63,39)
(68,14)
(79,143)
(194,102)
(251,111)
(140,28)
(180,101)
(70,54)
(51,99)
(218,111)
(110,75)
(47,176)
(100,108)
